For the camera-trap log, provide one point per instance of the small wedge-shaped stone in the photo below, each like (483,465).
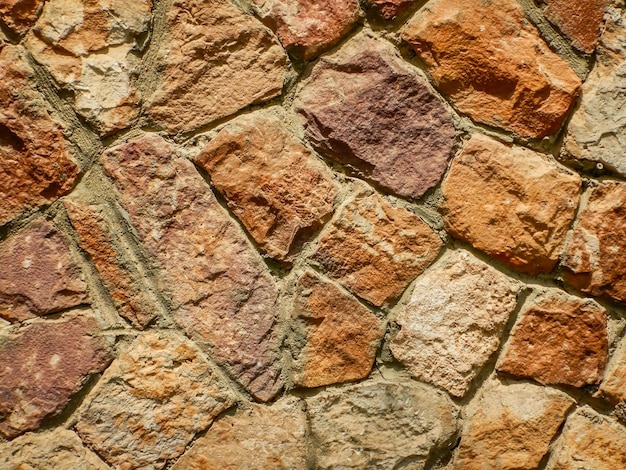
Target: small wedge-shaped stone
(272,182)
(389,9)
(453,321)
(511,203)
(215,60)
(614,384)
(20,15)
(151,402)
(493,64)
(365,107)
(579,20)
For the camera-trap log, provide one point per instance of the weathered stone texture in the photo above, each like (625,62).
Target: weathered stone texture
(453,321)
(20,15)
(270,180)
(560,339)
(375,249)
(365,107)
(334,337)
(215,60)
(257,438)
(589,441)
(87,46)
(614,384)
(579,20)
(511,203)
(38,275)
(379,424)
(151,401)
(510,427)
(493,64)
(35,165)
(595,260)
(389,9)
(307,28)
(42,365)
(222,292)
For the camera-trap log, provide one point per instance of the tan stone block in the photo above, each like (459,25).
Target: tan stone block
(613,386)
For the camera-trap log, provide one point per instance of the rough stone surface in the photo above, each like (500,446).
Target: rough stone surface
(20,15)
(87,46)
(214,51)
(151,401)
(560,339)
(35,166)
(306,28)
(453,321)
(42,365)
(513,204)
(597,130)
(493,64)
(375,249)
(59,449)
(257,438)
(589,441)
(38,275)
(223,294)
(595,260)
(510,427)
(270,180)
(579,20)
(379,424)
(335,338)
(389,9)
(95,237)
(614,384)
(365,107)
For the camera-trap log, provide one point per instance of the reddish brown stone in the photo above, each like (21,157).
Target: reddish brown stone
(595,260)
(95,236)
(20,15)
(375,249)
(42,365)
(38,275)
(222,292)
(334,337)
(511,203)
(580,20)
(493,64)
(35,167)
(560,339)
(307,27)
(215,60)
(270,180)
(389,9)
(366,107)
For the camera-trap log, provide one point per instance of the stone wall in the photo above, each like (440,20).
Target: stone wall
(312,235)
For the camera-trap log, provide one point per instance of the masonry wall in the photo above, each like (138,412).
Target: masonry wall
(277,234)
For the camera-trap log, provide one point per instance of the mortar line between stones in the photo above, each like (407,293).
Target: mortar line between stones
(546,457)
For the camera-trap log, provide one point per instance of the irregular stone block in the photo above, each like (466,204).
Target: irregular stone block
(389,9)
(365,107)
(20,15)
(38,274)
(510,427)
(151,402)
(594,259)
(379,424)
(334,337)
(453,321)
(493,64)
(222,293)
(375,249)
(579,20)
(511,203)
(261,437)
(307,28)
(35,165)
(43,364)
(215,60)
(559,339)
(271,182)
(614,384)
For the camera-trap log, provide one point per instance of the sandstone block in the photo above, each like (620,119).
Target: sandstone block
(511,203)
(365,107)
(271,182)
(222,293)
(389,9)
(579,20)
(215,60)
(453,321)
(492,63)
(614,384)
(20,15)
(151,401)
(379,424)
(375,249)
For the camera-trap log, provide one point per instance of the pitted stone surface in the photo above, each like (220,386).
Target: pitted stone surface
(579,20)
(493,64)
(365,107)
(20,15)
(389,9)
